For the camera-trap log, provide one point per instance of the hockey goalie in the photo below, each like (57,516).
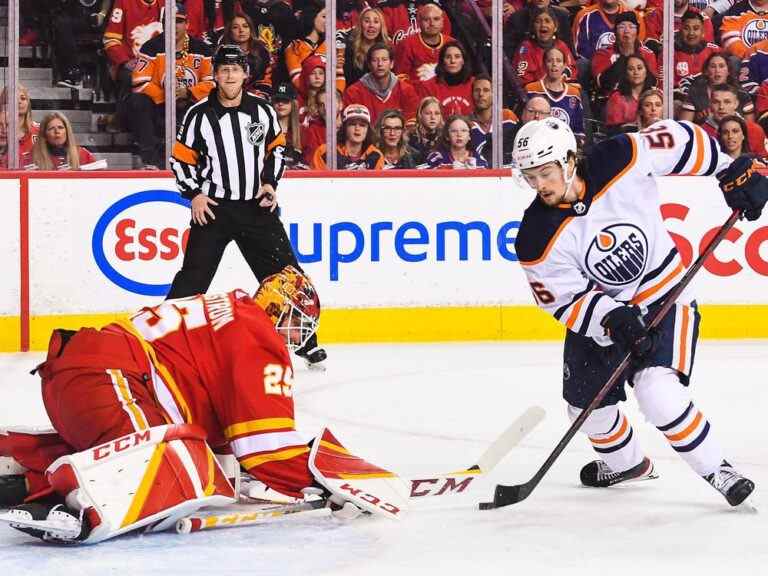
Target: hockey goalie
(140,408)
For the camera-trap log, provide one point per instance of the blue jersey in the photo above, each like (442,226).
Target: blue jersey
(566,106)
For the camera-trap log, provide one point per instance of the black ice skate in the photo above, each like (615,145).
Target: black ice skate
(597,474)
(735,487)
(48,521)
(313,354)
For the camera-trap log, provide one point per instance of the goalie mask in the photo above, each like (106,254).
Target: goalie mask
(291,302)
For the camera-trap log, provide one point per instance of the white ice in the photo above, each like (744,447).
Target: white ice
(421,409)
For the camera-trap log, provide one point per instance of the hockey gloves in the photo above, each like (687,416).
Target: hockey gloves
(627,329)
(744,189)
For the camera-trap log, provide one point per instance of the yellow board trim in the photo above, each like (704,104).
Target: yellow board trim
(253,461)
(146,485)
(356,325)
(10,334)
(257,426)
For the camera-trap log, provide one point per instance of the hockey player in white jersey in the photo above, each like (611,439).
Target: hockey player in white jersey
(598,258)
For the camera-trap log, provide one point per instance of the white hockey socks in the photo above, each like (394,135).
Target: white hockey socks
(612,437)
(667,405)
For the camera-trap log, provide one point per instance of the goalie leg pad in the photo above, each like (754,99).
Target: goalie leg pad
(144,479)
(349,478)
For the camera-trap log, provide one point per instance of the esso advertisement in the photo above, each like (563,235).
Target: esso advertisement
(138,243)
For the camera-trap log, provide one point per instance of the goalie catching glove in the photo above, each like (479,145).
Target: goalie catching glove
(744,188)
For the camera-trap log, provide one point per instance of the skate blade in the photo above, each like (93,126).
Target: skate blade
(317,367)
(747,507)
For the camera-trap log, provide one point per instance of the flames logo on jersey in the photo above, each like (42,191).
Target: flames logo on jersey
(617,254)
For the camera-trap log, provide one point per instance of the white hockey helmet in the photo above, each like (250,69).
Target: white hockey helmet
(541,141)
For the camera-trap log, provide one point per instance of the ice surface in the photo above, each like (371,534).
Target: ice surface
(421,409)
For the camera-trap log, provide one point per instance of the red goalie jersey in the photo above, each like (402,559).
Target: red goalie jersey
(217,361)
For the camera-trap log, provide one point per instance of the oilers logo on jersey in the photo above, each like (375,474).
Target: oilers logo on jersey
(617,254)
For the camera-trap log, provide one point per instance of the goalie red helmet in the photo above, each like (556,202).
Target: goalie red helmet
(291,302)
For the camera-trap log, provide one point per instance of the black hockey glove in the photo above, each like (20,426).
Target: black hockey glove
(744,189)
(627,329)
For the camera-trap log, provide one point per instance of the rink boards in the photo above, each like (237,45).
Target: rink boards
(394,258)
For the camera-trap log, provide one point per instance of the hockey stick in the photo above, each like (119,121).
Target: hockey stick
(506,495)
(438,485)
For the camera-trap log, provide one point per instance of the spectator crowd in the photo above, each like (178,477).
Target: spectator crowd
(412,80)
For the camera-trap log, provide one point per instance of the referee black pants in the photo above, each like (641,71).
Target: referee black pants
(259,235)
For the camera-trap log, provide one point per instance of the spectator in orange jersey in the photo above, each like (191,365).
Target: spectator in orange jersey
(529,58)
(355,149)
(416,56)
(452,83)
(650,108)
(310,41)
(57,148)
(194,81)
(428,129)
(240,30)
(455,148)
(621,109)
(380,89)
(698,89)
(732,136)
(607,63)
(370,29)
(744,25)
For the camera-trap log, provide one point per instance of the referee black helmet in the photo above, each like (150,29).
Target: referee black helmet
(230,54)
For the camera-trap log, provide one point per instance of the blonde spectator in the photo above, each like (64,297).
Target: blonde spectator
(429,125)
(313,130)
(27,128)
(650,107)
(370,29)
(57,148)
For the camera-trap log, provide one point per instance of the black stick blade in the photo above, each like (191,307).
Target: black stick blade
(506,495)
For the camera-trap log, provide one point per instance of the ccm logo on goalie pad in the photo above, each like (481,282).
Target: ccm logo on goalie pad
(121,444)
(370,498)
(438,486)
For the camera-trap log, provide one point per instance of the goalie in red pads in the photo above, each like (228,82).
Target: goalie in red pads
(140,406)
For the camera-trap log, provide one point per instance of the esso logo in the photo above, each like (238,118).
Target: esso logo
(750,250)
(136,245)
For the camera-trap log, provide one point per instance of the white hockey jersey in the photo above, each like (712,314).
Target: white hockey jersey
(611,248)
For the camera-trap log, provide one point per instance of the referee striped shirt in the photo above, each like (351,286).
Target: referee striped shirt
(228,152)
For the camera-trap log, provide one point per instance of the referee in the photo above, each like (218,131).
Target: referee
(228,159)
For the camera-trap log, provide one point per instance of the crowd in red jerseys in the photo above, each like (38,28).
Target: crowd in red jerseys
(597,65)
